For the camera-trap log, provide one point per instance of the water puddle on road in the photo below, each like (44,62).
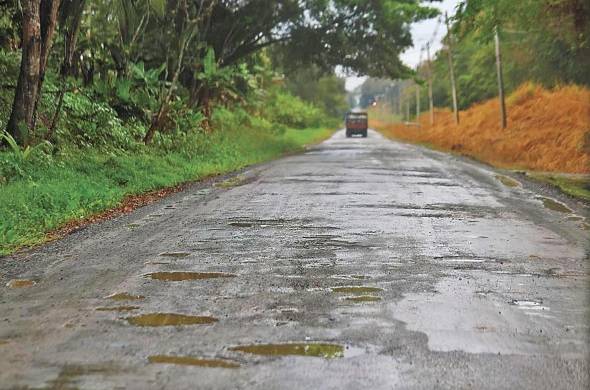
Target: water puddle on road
(575,218)
(192,361)
(169,319)
(362,298)
(20,283)
(241,224)
(125,297)
(118,308)
(554,205)
(529,305)
(357,290)
(507,181)
(175,254)
(3,342)
(133,226)
(327,351)
(351,277)
(182,276)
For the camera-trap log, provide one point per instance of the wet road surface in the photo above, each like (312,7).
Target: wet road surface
(362,263)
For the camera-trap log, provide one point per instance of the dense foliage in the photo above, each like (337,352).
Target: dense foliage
(542,41)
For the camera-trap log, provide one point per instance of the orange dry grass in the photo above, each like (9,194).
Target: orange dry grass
(548,130)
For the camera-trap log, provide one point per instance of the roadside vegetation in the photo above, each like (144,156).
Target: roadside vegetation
(548,132)
(102,101)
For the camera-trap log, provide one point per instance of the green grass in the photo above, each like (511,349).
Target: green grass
(575,185)
(79,184)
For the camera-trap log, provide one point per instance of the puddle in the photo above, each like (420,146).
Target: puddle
(354,277)
(357,290)
(175,254)
(327,351)
(181,276)
(241,224)
(575,218)
(554,205)
(125,297)
(528,305)
(155,215)
(169,319)
(586,226)
(3,342)
(363,298)
(507,181)
(118,308)
(20,283)
(462,260)
(191,361)
(70,375)
(232,182)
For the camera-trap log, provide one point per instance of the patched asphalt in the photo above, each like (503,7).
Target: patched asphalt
(359,264)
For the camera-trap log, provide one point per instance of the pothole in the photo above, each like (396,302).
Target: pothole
(182,276)
(529,305)
(554,205)
(20,283)
(241,224)
(175,254)
(351,277)
(192,361)
(357,290)
(507,181)
(323,350)
(169,319)
(125,297)
(118,308)
(363,298)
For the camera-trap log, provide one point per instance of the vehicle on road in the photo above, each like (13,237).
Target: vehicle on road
(356,123)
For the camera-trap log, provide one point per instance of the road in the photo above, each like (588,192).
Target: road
(360,264)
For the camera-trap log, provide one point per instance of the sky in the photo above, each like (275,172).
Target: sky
(422,32)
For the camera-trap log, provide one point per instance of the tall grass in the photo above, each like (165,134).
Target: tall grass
(78,184)
(548,130)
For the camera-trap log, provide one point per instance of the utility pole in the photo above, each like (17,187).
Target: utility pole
(400,110)
(500,79)
(417,103)
(430,100)
(452,69)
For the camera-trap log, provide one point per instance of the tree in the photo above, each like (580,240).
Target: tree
(38,26)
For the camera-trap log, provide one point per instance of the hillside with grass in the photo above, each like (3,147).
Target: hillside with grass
(548,130)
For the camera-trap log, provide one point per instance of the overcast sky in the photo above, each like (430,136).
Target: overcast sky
(421,33)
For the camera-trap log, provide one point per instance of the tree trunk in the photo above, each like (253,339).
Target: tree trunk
(21,120)
(71,31)
(48,17)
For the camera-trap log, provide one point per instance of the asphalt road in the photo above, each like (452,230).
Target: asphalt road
(466,282)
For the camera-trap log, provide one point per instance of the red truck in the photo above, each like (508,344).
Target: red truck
(356,123)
